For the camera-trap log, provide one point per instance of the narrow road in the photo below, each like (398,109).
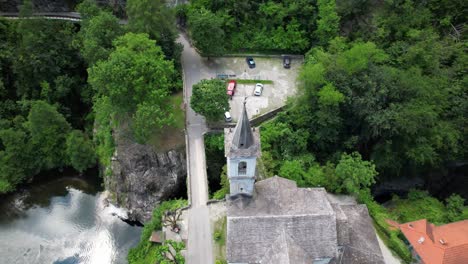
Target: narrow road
(199,246)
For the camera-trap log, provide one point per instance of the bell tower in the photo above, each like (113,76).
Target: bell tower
(242,148)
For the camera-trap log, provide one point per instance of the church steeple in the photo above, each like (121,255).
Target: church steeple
(243,137)
(242,148)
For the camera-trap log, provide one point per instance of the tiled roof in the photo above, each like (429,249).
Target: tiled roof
(446,244)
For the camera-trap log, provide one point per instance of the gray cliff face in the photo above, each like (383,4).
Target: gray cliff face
(142,178)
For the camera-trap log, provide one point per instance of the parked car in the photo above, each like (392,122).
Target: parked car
(286,62)
(231,88)
(227,117)
(258,89)
(250,61)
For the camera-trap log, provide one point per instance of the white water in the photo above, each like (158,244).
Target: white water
(74,228)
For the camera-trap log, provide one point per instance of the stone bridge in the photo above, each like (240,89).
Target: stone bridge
(67,16)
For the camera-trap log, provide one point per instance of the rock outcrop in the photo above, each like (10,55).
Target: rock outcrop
(141,178)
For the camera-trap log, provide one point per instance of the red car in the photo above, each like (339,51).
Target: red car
(231,88)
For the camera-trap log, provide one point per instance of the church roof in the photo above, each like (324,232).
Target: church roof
(282,223)
(243,137)
(298,221)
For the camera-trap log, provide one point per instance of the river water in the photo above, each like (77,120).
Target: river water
(63,221)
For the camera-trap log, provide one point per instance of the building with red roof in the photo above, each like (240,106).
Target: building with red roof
(446,244)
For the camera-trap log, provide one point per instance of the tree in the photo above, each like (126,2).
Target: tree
(293,170)
(80,151)
(43,52)
(136,80)
(455,206)
(48,130)
(98,29)
(171,218)
(354,173)
(18,159)
(155,18)
(206,32)
(209,99)
(328,23)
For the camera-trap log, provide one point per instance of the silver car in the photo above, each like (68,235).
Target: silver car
(258,89)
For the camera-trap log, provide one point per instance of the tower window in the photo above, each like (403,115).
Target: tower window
(242,169)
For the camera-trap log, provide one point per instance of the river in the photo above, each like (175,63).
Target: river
(63,221)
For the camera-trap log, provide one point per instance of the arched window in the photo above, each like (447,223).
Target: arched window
(242,168)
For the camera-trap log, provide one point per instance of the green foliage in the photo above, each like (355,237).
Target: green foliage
(328,22)
(48,130)
(136,81)
(43,53)
(104,122)
(380,216)
(354,174)
(280,26)
(417,206)
(98,29)
(145,252)
(455,206)
(157,19)
(214,152)
(42,96)
(170,253)
(221,193)
(209,99)
(206,31)
(17,159)
(80,151)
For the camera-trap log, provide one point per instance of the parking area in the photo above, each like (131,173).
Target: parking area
(273,96)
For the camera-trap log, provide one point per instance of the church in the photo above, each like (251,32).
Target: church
(273,221)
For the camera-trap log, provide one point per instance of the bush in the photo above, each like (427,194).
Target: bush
(145,252)
(419,205)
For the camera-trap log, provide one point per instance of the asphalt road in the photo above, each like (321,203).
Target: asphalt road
(199,246)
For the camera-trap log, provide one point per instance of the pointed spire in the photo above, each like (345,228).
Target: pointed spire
(243,137)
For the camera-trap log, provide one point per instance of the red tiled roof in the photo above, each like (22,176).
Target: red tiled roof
(446,244)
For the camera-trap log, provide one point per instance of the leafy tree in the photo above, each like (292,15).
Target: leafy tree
(328,22)
(418,205)
(206,32)
(80,151)
(18,160)
(48,130)
(292,169)
(136,80)
(98,29)
(156,19)
(455,206)
(209,99)
(354,173)
(44,52)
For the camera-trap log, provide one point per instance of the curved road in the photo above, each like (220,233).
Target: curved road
(199,246)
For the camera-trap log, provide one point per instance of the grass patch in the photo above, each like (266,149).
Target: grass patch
(173,136)
(250,81)
(219,237)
